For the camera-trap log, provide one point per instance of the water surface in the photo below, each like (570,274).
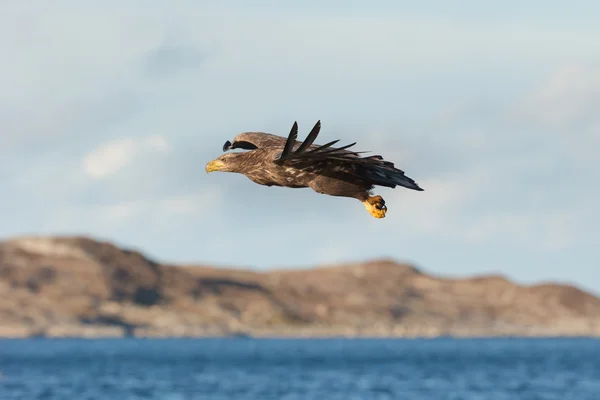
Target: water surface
(219,369)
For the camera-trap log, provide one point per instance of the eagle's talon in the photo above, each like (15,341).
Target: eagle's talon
(376,206)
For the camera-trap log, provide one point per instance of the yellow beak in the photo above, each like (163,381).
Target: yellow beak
(214,165)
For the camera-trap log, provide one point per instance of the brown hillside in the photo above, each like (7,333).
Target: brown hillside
(76,286)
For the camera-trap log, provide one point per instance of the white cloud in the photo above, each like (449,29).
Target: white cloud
(570,96)
(565,106)
(111,157)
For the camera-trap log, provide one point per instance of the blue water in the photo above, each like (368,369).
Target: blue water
(121,369)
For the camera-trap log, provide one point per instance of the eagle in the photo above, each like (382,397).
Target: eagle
(273,160)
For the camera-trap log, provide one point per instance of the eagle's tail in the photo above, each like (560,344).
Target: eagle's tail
(384,173)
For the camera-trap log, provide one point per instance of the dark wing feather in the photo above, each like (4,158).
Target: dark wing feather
(320,151)
(310,138)
(289,144)
(325,146)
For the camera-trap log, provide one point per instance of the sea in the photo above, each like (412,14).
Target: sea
(323,369)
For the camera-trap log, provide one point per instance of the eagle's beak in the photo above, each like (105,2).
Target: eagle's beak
(214,165)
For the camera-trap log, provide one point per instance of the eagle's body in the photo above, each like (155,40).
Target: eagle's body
(273,160)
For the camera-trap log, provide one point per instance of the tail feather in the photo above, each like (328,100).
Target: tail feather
(390,177)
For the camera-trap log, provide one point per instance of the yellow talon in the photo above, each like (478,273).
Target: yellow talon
(375,206)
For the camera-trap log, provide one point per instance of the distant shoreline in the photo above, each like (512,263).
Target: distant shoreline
(90,335)
(302,338)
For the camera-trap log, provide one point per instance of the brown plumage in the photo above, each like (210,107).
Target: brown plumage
(273,160)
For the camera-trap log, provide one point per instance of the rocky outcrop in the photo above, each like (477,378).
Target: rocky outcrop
(76,286)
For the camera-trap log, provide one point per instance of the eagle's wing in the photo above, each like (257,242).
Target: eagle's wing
(373,168)
(256,140)
(261,140)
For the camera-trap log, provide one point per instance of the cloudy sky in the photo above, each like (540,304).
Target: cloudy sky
(110,110)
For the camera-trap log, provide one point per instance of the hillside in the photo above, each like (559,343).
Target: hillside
(76,286)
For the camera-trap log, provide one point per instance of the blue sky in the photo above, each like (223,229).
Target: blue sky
(110,111)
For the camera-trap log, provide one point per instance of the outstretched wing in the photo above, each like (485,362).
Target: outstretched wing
(307,151)
(261,140)
(254,140)
(373,168)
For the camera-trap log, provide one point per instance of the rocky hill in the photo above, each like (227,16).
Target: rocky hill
(76,286)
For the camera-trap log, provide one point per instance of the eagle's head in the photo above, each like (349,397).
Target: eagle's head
(228,162)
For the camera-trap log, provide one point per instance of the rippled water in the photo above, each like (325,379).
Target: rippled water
(565,369)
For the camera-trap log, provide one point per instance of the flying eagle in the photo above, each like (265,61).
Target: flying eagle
(273,160)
